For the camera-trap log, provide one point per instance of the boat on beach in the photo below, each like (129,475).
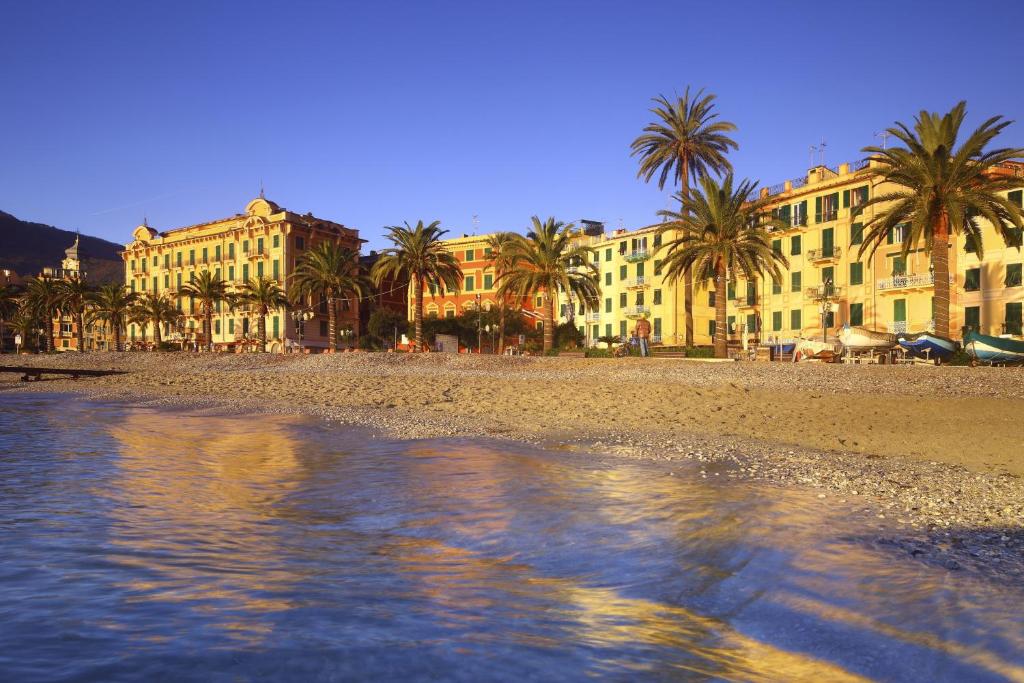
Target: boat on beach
(928,346)
(861,340)
(983,348)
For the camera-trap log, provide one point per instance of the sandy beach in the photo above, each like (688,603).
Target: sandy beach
(932,451)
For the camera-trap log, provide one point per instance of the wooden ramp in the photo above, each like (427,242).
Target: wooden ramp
(30,373)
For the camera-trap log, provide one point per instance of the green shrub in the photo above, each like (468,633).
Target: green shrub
(551,352)
(598,353)
(700,352)
(960,357)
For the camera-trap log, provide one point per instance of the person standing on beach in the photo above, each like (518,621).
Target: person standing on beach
(643,331)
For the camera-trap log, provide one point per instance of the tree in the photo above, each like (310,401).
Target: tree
(384,324)
(498,244)
(609,340)
(111,305)
(263,294)
(8,309)
(685,141)
(548,261)
(720,231)
(420,257)
(157,309)
(42,296)
(210,291)
(25,323)
(331,272)
(74,297)
(941,191)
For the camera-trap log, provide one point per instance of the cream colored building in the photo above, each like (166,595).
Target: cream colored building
(265,240)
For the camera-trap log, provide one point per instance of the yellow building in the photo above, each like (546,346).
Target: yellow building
(266,240)
(885,292)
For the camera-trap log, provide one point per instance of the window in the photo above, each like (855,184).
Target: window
(245,246)
(622,300)
(657,267)
(206,255)
(972,318)
(277,269)
(657,297)
(730,290)
(640,269)
(1014,318)
(191,257)
(323,328)
(776,321)
(711,298)
(216,326)
(167,260)
(856,273)
(563,311)
(470,283)
(216,253)
(231,250)
(595,331)
(794,319)
(276,241)
(133,285)
(607,254)
(1015,237)
(608,305)
(899,266)
(730,324)
(1013,275)
(800,214)
(794,282)
(1017,198)
(259,245)
(794,245)
(828,275)
(776,286)
(826,207)
(608,279)
(178,283)
(899,311)
(856,314)
(300,243)
(622,329)
(711,329)
(777,247)
(783,214)
(540,301)
(167,281)
(640,298)
(855,198)
(245,272)
(827,241)
(657,240)
(470,255)
(154,284)
(449,312)
(608,330)
(231,273)
(752,322)
(277,327)
(179,259)
(488,281)
(897,234)
(857,233)
(622,272)
(259,269)
(972,280)
(657,327)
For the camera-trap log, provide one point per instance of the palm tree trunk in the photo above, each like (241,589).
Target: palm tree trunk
(417,315)
(721,336)
(156,333)
(117,336)
(549,315)
(501,328)
(332,323)
(80,332)
(684,191)
(208,323)
(261,328)
(940,269)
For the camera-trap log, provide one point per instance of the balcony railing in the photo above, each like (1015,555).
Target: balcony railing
(593,317)
(824,291)
(257,253)
(744,300)
(1014,327)
(908,281)
(637,311)
(655,338)
(860,165)
(637,256)
(823,254)
(825,216)
(638,282)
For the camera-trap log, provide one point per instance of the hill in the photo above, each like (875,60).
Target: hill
(27,248)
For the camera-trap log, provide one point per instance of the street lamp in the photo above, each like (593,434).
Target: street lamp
(491,330)
(479,319)
(300,316)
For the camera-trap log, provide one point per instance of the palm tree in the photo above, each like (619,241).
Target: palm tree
(157,309)
(210,291)
(498,244)
(329,271)
(720,231)
(8,309)
(609,340)
(548,261)
(420,257)
(25,322)
(685,141)
(263,294)
(42,295)
(942,191)
(75,298)
(112,304)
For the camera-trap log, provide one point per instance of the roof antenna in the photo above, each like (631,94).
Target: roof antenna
(821,150)
(884,135)
(476,224)
(145,221)
(261,189)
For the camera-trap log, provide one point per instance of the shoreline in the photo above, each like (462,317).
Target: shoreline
(960,515)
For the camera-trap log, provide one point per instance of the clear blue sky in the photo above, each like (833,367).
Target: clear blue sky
(371,113)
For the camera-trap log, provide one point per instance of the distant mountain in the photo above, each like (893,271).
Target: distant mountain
(27,248)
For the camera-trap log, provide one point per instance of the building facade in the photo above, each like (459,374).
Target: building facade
(265,240)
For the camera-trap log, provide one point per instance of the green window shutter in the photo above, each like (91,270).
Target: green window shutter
(607,254)
(657,297)
(657,267)
(608,330)
(794,320)
(846,199)
(899,310)
(622,329)
(640,269)
(828,274)
(622,272)
(595,331)
(817,209)
(711,329)
(827,240)
(795,281)
(622,300)
(730,324)
(899,266)
(608,279)
(231,325)
(259,269)
(795,247)
(890,236)
(488,281)
(231,250)
(277,269)
(657,327)
(608,305)
(776,286)
(856,314)
(776,321)
(857,233)
(972,279)
(469,255)
(731,290)
(259,245)
(277,327)
(470,283)
(972,317)
(245,272)
(711,298)
(1013,275)
(835,205)
(777,247)
(856,273)
(784,214)
(803,211)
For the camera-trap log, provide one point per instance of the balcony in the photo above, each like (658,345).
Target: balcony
(257,253)
(746,301)
(655,338)
(593,317)
(637,311)
(637,256)
(903,327)
(829,254)
(638,282)
(898,282)
(826,216)
(824,291)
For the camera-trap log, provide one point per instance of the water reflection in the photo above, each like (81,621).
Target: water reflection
(169,544)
